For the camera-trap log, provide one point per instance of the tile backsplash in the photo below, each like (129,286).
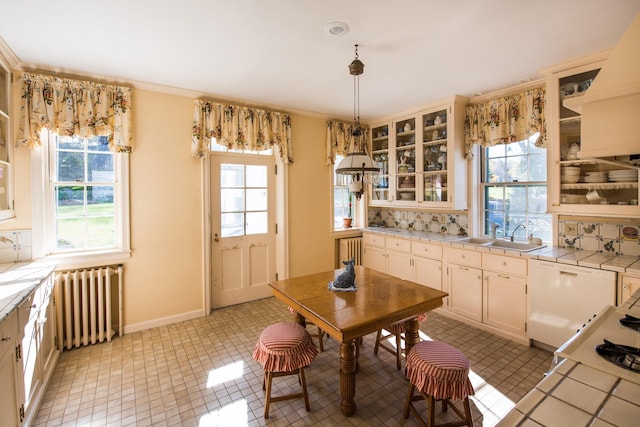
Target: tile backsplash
(15,246)
(619,237)
(443,223)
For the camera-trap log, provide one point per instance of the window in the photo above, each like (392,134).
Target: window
(244,207)
(514,190)
(344,205)
(85,209)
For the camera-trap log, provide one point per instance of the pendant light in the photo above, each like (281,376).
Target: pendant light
(357,164)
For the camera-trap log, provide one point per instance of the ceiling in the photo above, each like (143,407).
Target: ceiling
(278,54)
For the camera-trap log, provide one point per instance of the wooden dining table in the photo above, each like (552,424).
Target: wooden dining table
(379,300)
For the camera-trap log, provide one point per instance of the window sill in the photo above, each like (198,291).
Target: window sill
(347,232)
(87,260)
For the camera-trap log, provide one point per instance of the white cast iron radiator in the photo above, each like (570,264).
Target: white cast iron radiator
(89,305)
(351,247)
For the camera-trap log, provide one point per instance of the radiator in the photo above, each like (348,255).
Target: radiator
(89,305)
(351,247)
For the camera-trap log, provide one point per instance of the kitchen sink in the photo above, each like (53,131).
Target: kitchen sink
(497,243)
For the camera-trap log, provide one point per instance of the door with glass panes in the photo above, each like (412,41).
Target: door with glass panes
(243,228)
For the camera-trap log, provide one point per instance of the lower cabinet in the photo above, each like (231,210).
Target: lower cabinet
(9,407)
(427,264)
(28,354)
(628,285)
(388,255)
(465,291)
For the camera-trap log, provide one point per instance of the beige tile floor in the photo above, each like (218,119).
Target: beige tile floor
(201,373)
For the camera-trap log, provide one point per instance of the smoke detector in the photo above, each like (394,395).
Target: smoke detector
(336,29)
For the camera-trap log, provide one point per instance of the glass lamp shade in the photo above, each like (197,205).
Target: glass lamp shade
(356,163)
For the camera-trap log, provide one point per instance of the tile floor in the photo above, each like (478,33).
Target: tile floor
(201,373)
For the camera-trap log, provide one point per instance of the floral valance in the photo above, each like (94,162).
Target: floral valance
(340,139)
(74,108)
(505,120)
(240,128)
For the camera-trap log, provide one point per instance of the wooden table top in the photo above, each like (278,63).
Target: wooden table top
(380,300)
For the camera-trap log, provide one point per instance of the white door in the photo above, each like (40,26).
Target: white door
(243,226)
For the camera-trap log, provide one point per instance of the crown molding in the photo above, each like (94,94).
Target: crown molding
(8,55)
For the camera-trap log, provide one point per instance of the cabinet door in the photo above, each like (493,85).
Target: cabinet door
(505,302)
(47,330)
(31,370)
(380,154)
(8,368)
(405,161)
(399,264)
(374,258)
(435,165)
(428,272)
(465,291)
(629,285)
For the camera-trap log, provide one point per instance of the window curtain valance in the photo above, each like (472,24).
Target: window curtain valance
(340,139)
(240,128)
(74,108)
(505,120)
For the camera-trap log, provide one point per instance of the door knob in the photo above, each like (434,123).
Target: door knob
(216,238)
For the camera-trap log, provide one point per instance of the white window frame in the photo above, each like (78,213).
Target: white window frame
(482,202)
(357,206)
(43,236)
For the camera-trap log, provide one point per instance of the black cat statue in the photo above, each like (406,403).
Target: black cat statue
(345,282)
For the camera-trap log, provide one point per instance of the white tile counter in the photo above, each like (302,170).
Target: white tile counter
(581,393)
(17,281)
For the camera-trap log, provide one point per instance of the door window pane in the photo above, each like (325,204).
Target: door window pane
(231,199)
(232,224)
(257,200)
(257,223)
(256,176)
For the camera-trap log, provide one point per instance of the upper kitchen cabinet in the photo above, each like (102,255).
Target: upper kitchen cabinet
(6,197)
(421,158)
(578,184)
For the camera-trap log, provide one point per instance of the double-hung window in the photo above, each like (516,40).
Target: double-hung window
(85,204)
(514,190)
(343,200)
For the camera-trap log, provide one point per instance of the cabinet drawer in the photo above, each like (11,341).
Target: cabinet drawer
(8,333)
(463,256)
(505,264)
(399,244)
(426,250)
(373,240)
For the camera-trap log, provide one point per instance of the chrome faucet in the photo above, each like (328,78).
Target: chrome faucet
(494,227)
(516,229)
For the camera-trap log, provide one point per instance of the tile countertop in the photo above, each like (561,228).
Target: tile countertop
(605,261)
(17,281)
(576,393)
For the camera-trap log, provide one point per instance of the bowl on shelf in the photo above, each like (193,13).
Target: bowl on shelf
(407,196)
(569,179)
(570,170)
(573,198)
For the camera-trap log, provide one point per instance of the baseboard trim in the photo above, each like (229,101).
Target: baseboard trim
(142,326)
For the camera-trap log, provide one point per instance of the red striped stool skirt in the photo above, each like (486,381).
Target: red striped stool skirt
(438,371)
(284,349)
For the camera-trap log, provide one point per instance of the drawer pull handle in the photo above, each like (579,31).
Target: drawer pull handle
(568,273)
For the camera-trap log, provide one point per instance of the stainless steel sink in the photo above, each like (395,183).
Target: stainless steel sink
(497,243)
(515,246)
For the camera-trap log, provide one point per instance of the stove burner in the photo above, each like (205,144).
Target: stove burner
(631,322)
(623,356)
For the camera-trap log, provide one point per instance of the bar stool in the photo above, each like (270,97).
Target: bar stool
(396,330)
(284,349)
(439,372)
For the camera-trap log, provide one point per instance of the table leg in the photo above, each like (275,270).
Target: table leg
(348,377)
(299,319)
(411,335)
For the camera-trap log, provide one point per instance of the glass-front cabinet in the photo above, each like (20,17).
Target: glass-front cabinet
(577,185)
(421,158)
(380,155)
(6,197)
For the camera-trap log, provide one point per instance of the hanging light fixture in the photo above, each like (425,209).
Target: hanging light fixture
(357,164)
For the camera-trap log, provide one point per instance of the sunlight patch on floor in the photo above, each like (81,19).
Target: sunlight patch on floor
(225,373)
(233,414)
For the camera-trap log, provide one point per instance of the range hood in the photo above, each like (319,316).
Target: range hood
(610,108)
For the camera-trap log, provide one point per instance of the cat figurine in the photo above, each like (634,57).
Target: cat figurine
(347,279)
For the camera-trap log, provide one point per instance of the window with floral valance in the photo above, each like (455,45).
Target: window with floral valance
(72,107)
(505,120)
(340,140)
(240,128)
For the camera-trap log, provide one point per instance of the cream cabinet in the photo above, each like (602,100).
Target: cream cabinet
(628,284)
(389,255)
(504,295)
(578,185)
(464,282)
(9,407)
(427,264)
(421,158)
(6,143)
(28,354)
